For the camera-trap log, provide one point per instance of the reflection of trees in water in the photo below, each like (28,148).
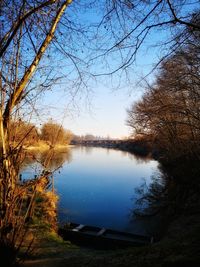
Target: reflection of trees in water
(50,160)
(150,200)
(108,151)
(138,158)
(85,149)
(173,191)
(88,150)
(149,197)
(53,159)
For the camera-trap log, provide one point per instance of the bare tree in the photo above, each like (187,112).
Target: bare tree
(53,133)
(169,110)
(17,69)
(130,25)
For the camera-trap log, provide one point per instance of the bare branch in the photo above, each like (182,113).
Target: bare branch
(7,39)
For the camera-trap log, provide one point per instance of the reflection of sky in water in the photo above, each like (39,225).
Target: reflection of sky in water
(97,187)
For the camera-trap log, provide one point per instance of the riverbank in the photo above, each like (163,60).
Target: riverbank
(43,146)
(179,248)
(139,147)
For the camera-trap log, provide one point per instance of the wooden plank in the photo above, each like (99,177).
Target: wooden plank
(78,228)
(101,232)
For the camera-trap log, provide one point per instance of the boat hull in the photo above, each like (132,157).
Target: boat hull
(101,238)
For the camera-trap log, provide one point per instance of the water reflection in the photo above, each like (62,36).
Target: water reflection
(96,185)
(140,159)
(87,149)
(149,202)
(50,160)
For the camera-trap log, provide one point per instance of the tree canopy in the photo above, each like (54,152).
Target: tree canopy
(54,133)
(169,110)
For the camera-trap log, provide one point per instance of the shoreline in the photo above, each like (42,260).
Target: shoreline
(43,147)
(142,149)
(178,246)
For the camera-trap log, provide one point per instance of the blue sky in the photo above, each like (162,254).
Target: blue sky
(102,110)
(99,109)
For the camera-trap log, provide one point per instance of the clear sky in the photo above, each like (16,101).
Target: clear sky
(104,114)
(101,110)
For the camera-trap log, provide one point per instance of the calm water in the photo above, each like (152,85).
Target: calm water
(97,186)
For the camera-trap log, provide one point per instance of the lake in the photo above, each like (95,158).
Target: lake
(97,186)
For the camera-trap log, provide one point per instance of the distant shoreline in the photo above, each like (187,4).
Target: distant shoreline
(44,146)
(139,147)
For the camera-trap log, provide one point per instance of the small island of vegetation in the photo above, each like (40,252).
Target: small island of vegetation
(28,136)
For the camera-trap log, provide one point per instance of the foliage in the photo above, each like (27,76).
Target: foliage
(54,133)
(15,223)
(168,114)
(169,110)
(23,133)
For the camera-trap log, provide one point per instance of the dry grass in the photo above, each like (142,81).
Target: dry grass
(43,146)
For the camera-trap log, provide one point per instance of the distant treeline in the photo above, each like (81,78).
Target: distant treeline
(138,145)
(25,133)
(28,134)
(87,137)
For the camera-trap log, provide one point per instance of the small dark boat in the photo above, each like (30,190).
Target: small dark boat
(100,237)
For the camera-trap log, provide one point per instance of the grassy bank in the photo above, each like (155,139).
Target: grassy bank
(43,146)
(179,248)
